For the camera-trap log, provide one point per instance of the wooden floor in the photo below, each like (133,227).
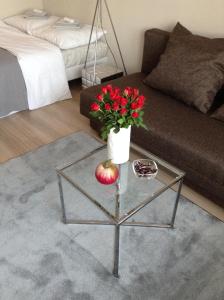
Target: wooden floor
(28,130)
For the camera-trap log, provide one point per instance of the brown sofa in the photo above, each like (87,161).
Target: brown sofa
(178,133)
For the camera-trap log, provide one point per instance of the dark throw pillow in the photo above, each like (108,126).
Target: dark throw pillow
(191,69)
(219,114)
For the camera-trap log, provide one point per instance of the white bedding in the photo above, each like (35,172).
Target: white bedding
(68,38)
(28,25)
(77,56)
(41,64)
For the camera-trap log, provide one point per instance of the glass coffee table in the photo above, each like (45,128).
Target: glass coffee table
(122,201)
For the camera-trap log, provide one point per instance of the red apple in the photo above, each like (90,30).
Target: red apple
(107,172)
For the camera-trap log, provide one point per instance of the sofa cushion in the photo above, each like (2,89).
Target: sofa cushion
(191,69)
(178,133)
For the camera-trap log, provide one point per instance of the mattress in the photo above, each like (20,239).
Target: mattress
(77,56)
(75,72)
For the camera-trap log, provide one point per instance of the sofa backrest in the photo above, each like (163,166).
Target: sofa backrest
(154,46)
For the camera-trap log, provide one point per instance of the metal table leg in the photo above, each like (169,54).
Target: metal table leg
(116,251)
(115,222)
(117,231)
(176,203)
(62,200)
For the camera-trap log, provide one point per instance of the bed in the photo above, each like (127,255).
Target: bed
(37,60)
(74,59)
(72,42)
(13,95)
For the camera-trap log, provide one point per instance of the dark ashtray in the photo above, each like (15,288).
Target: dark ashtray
(145,168)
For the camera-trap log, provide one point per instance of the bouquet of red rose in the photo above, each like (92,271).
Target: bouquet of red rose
(118,108)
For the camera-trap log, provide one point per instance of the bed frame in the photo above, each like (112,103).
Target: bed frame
(75,72)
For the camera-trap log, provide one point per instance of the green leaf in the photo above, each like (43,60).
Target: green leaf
(116,129)
(121,121)
(144,126)
(104,135)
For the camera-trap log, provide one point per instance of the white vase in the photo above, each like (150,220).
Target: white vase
(118,145)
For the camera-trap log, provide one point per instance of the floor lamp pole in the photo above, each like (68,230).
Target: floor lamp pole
(115,34)
(98,4)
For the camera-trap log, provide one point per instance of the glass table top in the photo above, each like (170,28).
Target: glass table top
(129,192)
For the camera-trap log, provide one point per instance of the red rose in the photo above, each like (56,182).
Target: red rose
(94,107)
(117,90)
(141,101)
(107,106)
(135,115)
(109,88)
(104,90)
(123,101)
(135,93)
(118,98)
(123,111)
(114,96)
(140,105)
(115,106)
(99,97)
(134,105)
(128,91)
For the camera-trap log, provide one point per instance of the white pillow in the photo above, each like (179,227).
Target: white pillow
(2,23)
(35,13)
(29,24)
(67,38)
(5,26)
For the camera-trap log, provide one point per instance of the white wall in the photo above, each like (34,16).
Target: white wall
(10,7)
(82,9)
(132,17)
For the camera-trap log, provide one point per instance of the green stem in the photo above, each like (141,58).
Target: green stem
(107,164)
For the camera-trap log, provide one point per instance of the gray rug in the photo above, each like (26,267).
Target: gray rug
(40,258)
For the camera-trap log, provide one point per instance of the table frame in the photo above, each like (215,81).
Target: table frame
(116,221)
